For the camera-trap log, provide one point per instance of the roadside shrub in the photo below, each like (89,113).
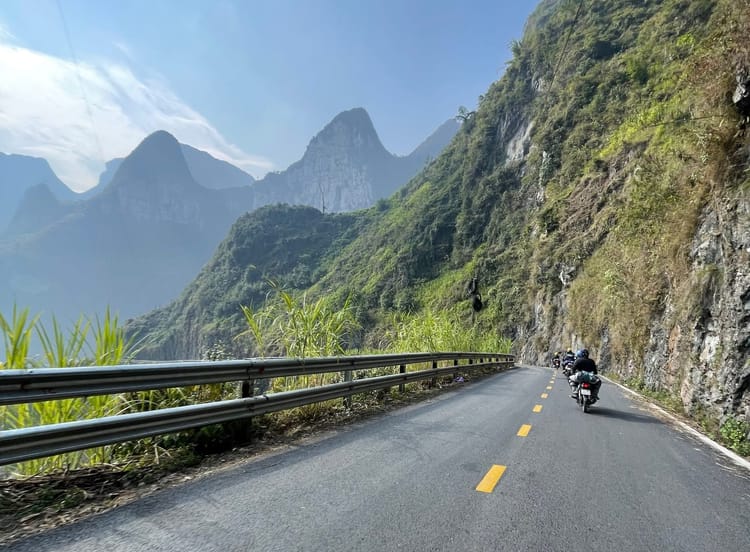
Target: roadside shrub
(736,434)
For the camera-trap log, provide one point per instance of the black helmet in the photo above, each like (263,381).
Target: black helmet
(583,353)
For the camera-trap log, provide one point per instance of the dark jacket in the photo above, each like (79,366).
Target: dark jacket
(584,365)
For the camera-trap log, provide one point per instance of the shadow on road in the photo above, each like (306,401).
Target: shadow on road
(624,415)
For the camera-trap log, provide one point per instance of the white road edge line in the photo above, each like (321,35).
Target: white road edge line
(733,456)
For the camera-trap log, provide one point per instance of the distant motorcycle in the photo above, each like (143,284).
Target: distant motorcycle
(566,367)
(556,363)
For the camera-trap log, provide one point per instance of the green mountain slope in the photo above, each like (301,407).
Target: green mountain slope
(600,194)
(289,245)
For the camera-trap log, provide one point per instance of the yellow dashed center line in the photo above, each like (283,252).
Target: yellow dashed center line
(524,431)
(487,484)
(492,477)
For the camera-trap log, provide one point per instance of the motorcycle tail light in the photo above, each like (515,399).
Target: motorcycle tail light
(586,386)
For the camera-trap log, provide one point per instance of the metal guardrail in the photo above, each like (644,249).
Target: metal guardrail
(25,386)
(44,384)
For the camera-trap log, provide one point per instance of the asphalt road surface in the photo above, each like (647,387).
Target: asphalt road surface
(505,463)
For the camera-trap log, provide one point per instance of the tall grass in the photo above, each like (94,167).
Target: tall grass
(61,350)
(431,331)
(440,331)
(295,326)
(17,334)
(78,346)
(258,327)
(312,328)
(108,348)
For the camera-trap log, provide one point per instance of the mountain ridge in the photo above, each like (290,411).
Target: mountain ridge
(131,246)
(18,173)
(137,241)
(315,179)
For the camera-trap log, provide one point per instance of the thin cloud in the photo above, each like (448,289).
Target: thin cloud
(5,34)
(126,50)
(44,112)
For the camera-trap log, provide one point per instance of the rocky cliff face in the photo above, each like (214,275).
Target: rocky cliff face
(697,343)
(346,167)
(682,264)
(154,184)
(19,173)
(37,209)
(213,173)
(206,170)
(705,353)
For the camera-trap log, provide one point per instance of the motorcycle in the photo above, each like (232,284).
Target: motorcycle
(556,363)
(566,367)
(584,396)
(584,389)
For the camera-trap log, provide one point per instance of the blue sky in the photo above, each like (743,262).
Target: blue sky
(249,81)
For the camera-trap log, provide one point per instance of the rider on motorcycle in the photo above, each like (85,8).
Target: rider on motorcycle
(584,364)
(567,361)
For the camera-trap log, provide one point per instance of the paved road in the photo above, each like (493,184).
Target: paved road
(614,479)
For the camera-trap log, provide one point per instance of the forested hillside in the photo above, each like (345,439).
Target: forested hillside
(283,244)
(599,193)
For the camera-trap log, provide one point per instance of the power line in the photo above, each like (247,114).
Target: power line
(80,82)
(565,44)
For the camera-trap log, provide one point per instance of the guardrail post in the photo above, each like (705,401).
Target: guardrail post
(246,428)
(402,370)
(348,398)
(455,374)
(433,381)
